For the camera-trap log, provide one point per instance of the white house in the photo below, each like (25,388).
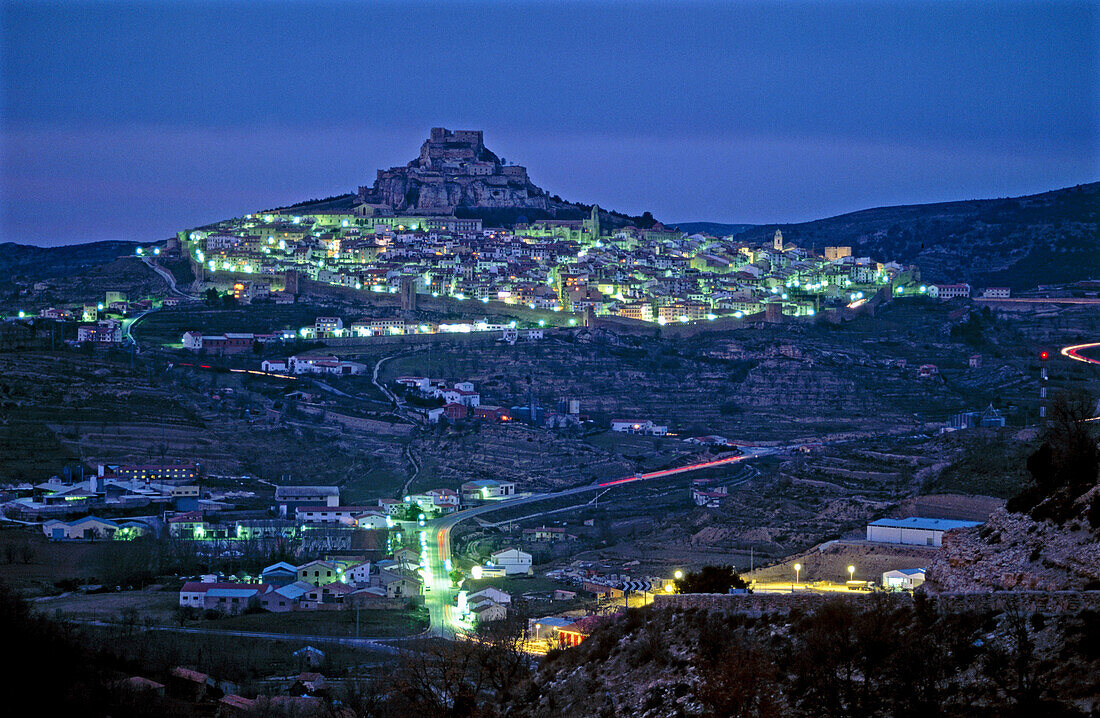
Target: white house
(192,340)
(513,561)
(914,530)
(444,499)
(631,426)
(373,519)
(194,594)
(273,365)
(948,291)
(487,489)
(903,578)
(997,292)
(317,515)
(359,574)
(324,365)
(289,498)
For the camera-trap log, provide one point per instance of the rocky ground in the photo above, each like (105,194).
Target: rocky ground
(1014,551)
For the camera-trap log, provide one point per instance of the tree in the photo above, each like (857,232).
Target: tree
(1065,466)
(710,579)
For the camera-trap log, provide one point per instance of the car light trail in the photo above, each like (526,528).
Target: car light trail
(670,472)
(1072,352)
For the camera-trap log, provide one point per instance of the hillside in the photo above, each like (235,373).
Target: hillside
(1019,242)
(715,229)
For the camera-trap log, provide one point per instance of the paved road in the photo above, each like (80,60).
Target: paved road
(437,533)
(400,408)
(166,276)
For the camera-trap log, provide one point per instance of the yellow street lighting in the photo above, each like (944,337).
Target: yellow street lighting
(678,574)
(797,569)
(668,588)
(851,572)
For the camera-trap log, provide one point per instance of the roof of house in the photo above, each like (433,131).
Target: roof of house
(187,516)
(295,590)
(510,549)
(916,522)
(282,492)
(908,571)
(189,675)
(200,587)
(280,566)
(554,622)
(231,592)
(238,701)
(77,522)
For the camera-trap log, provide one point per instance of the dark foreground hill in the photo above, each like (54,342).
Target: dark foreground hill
(1020,242)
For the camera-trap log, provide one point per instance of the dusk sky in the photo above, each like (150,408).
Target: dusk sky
(131,121)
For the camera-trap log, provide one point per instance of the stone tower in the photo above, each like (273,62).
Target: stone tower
(594,222)
(777,241)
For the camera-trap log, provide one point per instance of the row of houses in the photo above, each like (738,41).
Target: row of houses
(114,488)
(954,291)
(313,365)
(312,586)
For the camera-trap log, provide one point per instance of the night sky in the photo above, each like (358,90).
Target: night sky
(130,121)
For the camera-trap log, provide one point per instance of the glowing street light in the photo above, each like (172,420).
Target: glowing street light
(797,569)
(851,572)
(678,574)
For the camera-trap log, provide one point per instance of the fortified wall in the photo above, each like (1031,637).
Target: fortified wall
(756,604)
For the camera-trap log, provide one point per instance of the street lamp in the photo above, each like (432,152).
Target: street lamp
(851,572)
(797,568)
(678,574)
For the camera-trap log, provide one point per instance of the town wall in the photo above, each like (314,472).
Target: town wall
(1050,602)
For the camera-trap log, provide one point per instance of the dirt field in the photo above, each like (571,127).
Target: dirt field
(830,562)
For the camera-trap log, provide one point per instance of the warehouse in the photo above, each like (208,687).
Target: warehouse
(914,530)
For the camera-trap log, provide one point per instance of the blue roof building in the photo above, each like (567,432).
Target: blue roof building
(914,530)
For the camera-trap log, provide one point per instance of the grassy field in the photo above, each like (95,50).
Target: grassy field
(372,623)
(155,606)
(168,325)
(227,657)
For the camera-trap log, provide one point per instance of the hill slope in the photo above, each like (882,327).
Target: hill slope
(22,260)
(1019,242)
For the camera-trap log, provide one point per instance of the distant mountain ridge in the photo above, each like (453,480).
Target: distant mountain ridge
(714,229)
(48,262)
(1018,242)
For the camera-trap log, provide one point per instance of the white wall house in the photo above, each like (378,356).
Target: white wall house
(192,340)
(513,561)
(903,578)
(914,530)
(948,291)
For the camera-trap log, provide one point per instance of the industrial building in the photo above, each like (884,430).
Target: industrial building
(914,530)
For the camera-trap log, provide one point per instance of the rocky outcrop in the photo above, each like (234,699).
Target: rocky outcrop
(1015,552)
(455,170)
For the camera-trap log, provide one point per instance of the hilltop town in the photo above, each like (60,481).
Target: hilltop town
(375,424)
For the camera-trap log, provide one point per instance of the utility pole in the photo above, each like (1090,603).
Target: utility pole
(1043,356)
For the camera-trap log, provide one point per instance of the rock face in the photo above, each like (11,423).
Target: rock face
(1013,551)
(455,170)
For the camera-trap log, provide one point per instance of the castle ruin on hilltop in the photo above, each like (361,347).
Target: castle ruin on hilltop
(454,170)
